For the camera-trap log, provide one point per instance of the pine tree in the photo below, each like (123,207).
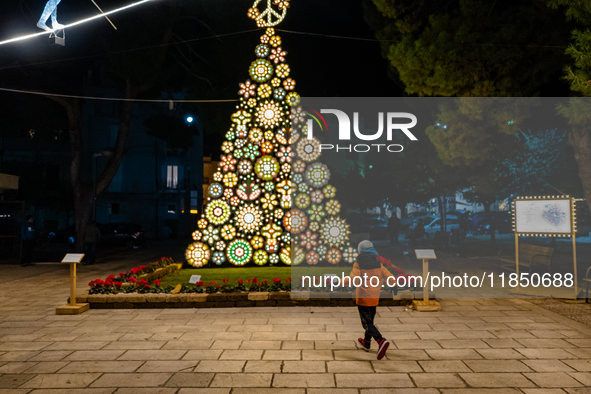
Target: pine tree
(267,167)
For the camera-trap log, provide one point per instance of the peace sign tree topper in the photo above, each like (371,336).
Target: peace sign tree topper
(269,17)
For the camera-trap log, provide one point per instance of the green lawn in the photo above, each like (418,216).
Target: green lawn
(244,273)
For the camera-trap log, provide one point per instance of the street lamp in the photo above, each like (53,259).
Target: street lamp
(189,119)
(94,157)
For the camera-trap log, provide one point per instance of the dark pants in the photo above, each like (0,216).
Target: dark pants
(90,252)
(28,249)
(367,315)
(394,236)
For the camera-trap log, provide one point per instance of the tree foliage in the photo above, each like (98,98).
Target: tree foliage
(470,47)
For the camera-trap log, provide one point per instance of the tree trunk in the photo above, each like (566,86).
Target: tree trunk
(84,192)
(580,140)
(487,215)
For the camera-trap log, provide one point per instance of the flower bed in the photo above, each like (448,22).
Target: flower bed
(137,279)
(141,287)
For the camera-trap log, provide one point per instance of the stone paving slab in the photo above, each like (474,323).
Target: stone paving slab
(489,346)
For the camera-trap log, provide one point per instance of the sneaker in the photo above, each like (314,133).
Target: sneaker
(382,347)
(366,345)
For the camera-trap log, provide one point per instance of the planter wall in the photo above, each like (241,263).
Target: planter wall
(217,300)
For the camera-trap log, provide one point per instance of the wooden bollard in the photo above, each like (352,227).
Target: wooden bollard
(72,308)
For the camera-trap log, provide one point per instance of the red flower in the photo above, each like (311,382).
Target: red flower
(157,282)
(226,280)
(132,280)
(99,282)
(121,274)
(276,280)
(254,280)
(199,284)
(91,283)
(265,282)
(118,284)
(240,281)
(146,286)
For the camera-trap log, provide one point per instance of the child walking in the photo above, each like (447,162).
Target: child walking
(368,296)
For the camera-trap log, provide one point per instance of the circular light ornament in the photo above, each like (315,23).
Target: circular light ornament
(202,223)
(256,136)
(350,255)
(261,70)
(334,231)
(230,179)
(239,252)
(329,191)
(264,91)
(279,94)
(299,221)
(196,235)
(227,146)
(269,114)
(215,190)
(309,149)
(316,196)
(218,257)
(312,258)
(321,250)
(218,212)
(314,226)
(220,245)
(197,254)
(257,242)
(317,175)
(267,168)
(333,207)
(282,69)
(302,201)
(248,218)
(269,201)
(245,167)
(228,232)
(267,147)
(308,240)
(262,50)
(333,256)
(260,257)
(293,99)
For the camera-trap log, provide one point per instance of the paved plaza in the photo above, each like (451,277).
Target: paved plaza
(472,346)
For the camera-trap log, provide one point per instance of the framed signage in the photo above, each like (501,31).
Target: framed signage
(544,216)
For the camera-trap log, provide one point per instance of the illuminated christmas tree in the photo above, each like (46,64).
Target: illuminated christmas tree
(249,214)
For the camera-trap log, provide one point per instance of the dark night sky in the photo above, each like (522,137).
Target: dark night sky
(321,65)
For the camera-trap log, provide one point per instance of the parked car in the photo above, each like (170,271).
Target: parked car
(375,225)
(413,218)
(451,222)
(129,234)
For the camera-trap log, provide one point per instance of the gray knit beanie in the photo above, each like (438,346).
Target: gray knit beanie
(364,245)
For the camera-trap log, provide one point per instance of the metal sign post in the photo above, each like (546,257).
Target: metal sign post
(72,308)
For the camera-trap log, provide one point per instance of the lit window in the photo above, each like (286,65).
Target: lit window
(172,177)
